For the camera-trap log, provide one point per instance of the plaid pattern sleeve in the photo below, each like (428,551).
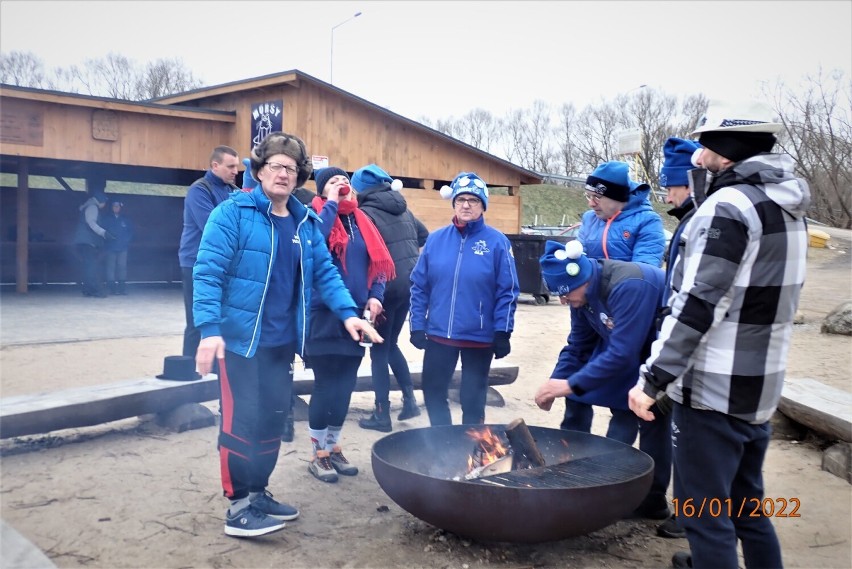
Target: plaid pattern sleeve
(725,344)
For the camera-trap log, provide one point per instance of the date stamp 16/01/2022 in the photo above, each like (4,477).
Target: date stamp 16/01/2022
(747,507)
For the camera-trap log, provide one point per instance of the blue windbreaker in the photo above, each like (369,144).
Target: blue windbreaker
(465,286)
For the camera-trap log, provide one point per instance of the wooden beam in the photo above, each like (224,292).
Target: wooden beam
(87,406)
(22,247)
(820,407)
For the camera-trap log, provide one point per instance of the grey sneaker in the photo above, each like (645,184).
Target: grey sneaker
(321,467)
(341,464)
(251,522)
(274,509)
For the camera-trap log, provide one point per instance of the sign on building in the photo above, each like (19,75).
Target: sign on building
(265,118)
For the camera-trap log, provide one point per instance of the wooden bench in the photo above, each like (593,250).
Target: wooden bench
(820,407)
(87,406)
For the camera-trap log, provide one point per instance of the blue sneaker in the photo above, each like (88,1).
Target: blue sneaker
(274,509)
(251,522)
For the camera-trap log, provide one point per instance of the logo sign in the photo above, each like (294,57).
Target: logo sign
(265,118)
(319,162)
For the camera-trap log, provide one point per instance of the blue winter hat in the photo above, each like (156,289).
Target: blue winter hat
(466,183)
(321,177)
(368,177)
(612,180)
(677,155)
(564,266)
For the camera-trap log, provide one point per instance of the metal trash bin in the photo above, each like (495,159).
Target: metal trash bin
(527,249)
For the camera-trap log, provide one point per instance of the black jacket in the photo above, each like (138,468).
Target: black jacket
(403,233)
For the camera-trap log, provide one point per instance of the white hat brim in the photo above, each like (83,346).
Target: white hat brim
(767,127)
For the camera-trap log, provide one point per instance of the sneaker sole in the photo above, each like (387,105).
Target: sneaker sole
(237,532)
(284,518)
(352,472)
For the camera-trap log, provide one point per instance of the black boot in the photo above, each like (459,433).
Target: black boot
(409,404)
(379,421)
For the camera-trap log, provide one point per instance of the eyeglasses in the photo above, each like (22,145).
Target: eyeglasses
(275,168)
(468,201)
(594,198)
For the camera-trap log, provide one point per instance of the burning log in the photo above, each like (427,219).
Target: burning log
(490,456)
(523,443)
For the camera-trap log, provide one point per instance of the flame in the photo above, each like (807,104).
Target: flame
(489,447)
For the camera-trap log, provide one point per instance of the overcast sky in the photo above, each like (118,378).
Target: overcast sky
(441,59)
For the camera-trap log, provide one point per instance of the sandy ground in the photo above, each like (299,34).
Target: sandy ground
(131,494)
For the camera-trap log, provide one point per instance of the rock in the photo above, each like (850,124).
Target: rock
(799,318)
(187,417)
(837,460)
(839,320)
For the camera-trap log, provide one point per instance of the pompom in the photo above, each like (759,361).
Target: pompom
(446,192)
(695,156)
(396,185)
(573,249)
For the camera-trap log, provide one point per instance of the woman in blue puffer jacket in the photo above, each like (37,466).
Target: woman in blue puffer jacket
(261,253)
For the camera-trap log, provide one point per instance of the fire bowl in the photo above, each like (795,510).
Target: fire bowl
(588,483)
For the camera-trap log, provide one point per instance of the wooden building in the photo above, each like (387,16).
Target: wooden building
(168,141)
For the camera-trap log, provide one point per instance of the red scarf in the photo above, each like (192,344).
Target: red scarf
(381,262)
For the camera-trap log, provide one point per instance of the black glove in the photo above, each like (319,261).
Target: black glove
(109,236)
(664,403)
(501,344)
(418,339)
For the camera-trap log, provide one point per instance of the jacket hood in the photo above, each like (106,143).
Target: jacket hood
(91,201)
(638,201)
(383,198)
(774,174)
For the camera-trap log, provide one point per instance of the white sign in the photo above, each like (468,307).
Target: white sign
(630,141)
(319,162)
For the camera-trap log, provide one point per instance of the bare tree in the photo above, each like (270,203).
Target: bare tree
(164,77)
(595,137)
(479,128)
(113,75)
(23,69)
(653,113)
(818,135)
(569,154)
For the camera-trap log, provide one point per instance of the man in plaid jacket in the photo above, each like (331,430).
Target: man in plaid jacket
(722,351)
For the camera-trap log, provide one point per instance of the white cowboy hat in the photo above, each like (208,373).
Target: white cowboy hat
(748,116)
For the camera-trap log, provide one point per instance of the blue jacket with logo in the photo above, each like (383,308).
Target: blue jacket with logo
(612,334)
(235,259)
(464,285)
(634,234)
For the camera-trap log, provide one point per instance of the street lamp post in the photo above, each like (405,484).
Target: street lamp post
(331,58)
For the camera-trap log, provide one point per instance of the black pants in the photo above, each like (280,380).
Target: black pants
(334,381)
(439,364)
(90,254)
(255,400)
(718,462)
(388,352)
(191,334)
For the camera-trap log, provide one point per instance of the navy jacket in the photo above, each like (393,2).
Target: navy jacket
(611,336)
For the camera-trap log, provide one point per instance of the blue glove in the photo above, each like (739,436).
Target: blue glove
(501,344)
(418,339)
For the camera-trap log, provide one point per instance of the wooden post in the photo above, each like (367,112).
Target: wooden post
(23,220)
